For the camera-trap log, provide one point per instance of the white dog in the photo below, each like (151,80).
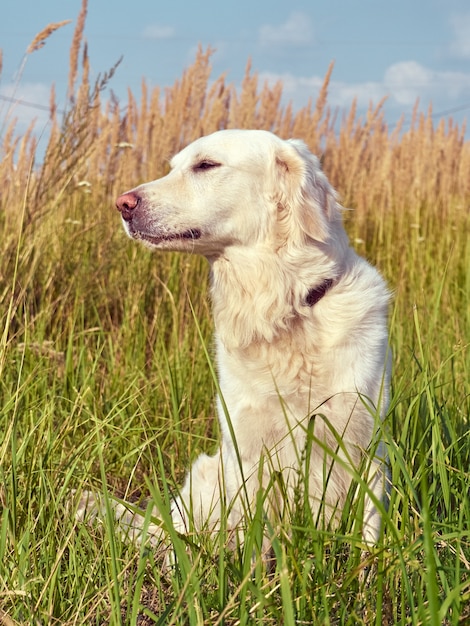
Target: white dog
(301,329)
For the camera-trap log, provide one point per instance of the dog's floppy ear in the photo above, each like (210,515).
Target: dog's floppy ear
(307,199)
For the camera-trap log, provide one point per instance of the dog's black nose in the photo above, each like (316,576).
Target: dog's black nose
(126,204)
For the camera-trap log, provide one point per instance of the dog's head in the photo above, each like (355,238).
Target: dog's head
(234,188)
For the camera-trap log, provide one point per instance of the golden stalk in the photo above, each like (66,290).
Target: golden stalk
(75,47)
(40,39)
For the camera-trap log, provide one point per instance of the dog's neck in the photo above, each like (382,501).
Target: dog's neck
(315,294)
(256,297)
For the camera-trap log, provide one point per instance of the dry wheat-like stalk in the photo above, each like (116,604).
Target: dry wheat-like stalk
(52,104)
(322,98)
(75,47)
(243,108)
(40,39)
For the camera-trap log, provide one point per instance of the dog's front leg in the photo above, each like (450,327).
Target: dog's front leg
(198,506)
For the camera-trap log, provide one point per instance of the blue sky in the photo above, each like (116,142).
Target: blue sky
(402,49)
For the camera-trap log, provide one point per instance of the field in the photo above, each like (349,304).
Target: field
(107,380)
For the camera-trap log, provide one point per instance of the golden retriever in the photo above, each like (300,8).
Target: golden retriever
(301,330)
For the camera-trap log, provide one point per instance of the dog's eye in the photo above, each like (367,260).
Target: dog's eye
(205,165)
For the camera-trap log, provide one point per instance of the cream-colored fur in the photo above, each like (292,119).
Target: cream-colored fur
(265,216)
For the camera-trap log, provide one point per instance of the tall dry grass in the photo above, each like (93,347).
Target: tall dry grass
(417,175)
(107,142)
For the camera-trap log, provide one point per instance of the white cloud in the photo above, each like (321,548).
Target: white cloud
(403,83)
(460,46)
(409,80)
(158,31)
(295,31)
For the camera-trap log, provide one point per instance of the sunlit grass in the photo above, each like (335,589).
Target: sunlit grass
(107,377)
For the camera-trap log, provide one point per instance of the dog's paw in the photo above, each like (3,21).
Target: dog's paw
(128,520)
(89,508)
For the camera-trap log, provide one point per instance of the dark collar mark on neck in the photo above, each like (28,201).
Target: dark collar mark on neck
(315,294)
